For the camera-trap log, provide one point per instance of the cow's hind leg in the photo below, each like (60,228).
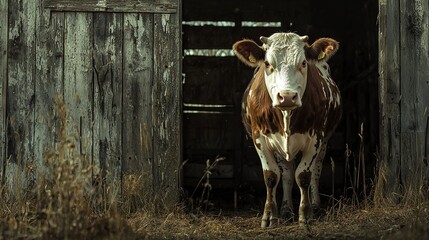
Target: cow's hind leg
(271,177)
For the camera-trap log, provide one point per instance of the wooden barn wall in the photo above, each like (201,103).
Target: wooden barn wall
(222,80)
(117,70)
(404,74)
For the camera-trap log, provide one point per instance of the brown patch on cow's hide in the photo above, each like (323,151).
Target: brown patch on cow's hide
(270,178)
(316,107)
(304,179)
(260,117)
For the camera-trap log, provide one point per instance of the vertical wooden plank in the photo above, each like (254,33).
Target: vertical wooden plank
(49,84)
(107,60)
(78,80)
(20,97)
(167,99)
(3,85)
(414,89)
(137,129)
(389,99)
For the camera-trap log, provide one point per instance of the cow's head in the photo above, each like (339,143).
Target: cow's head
(284,58)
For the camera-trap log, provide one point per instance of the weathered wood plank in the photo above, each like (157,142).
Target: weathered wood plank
(3,85)
(414,89)
(49,82)
(167,93)
(107,60)
(136,6)
(137,97)
(78,81)
(20,97)
(389,100)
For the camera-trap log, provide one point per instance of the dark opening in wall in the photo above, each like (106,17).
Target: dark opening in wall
(214,82)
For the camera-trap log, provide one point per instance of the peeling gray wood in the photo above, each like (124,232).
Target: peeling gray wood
(390,97)
(20,97)
(136,6)
(49,84)
(3,85)
(167,93)
(102,65)
(107,58)
(78,81)
(137,83)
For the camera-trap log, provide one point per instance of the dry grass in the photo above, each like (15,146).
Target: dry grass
(348,223)
(69,202)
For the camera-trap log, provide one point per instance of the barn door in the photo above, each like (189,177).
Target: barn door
(116,65)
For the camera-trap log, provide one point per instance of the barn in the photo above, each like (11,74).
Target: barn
(152,89)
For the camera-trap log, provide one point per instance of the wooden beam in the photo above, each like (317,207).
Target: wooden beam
(389,100)
(3,85)
(108,69)
(137,133)
(136,6)
(414,88)
(21,96)
(167,101)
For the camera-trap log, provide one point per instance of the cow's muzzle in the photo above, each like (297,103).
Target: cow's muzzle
(287,100)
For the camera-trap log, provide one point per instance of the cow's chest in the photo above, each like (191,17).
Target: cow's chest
(275,143)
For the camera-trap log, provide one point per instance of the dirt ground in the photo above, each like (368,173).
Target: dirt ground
(373,223)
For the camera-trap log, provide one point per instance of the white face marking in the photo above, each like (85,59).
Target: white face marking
(286,67)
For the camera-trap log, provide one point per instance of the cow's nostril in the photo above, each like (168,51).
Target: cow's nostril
(280,98)
(294,97)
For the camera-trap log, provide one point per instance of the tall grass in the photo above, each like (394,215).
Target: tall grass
(66,201)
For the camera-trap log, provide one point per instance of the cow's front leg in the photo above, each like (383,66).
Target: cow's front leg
(303,177)
(271,178)
(287,169)
(316,169)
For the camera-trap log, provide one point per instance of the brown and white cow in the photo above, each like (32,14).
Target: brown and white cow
(290,108)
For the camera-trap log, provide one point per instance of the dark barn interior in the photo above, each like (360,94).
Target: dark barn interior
(214,81)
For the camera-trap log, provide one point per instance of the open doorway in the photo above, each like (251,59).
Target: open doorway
(214,82)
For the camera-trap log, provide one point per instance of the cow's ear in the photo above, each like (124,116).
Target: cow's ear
(322,49)
(249,52)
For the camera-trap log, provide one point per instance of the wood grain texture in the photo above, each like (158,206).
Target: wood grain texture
(102,65)
(78,81)
(414,88)
(389,98)
(137,91)
(136,6)
(21,96)
(108,69)
(167,95)
(3,85)
(49,83)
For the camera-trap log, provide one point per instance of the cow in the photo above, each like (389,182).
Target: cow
(290,108)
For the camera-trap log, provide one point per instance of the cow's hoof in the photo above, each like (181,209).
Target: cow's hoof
(265,223)
(303,223)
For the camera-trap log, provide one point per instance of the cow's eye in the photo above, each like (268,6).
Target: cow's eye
(267,64)
(304,64)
